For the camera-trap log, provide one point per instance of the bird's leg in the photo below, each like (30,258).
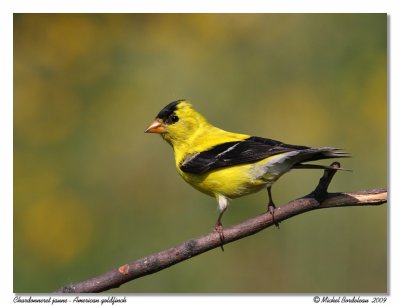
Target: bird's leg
(222,205)
(271,206)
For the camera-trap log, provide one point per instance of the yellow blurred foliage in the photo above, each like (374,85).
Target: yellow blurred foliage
(58,228)
(375,92)
(46,114)
(65,36)
(314,126)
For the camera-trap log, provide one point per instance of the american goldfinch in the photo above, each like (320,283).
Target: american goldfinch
(228,165)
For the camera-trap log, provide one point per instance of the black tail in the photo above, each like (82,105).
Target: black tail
(313,154)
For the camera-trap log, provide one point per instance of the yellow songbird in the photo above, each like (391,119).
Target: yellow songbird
(228,165)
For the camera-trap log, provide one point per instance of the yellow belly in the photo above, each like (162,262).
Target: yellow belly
(231,182)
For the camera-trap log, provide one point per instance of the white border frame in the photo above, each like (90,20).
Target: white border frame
(8,7)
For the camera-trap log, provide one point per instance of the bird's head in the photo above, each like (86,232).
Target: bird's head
(177,122)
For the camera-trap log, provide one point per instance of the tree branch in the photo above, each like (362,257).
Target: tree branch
(317,199)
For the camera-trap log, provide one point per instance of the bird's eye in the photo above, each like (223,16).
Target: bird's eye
(173,119)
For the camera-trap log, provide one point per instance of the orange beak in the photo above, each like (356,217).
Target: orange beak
(156,126)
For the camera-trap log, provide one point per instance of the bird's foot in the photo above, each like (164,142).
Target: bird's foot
(220,230)
(271,209)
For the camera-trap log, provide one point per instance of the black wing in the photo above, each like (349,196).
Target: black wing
(234,153)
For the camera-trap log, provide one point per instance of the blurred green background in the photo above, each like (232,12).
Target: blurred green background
(93,192)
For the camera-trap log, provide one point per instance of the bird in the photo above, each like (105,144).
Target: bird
(228,165)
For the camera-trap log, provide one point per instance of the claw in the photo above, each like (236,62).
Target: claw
(220,230)
(271,209)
